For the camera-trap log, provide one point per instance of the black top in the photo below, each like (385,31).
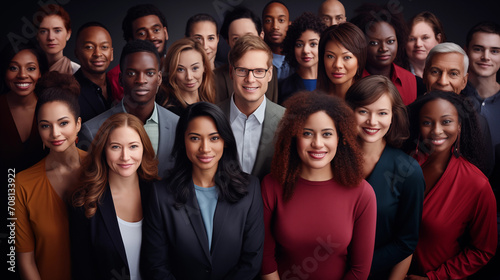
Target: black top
(91,100)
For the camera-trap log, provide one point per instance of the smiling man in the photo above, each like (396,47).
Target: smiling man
(276,19)
(253,117)
(140,78)
(94,50)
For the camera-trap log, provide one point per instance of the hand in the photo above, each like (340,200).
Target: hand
(415,277)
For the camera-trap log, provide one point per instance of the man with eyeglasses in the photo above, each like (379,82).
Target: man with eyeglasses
(253,117)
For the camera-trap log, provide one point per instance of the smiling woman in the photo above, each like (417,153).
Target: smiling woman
(189,78)
(108,203)
(42,239)
(205,220)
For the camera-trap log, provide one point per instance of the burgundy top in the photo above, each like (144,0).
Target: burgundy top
(325,231)
(458,233)
(113,76)
(405,82)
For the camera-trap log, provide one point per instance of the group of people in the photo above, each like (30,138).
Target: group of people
(322,149)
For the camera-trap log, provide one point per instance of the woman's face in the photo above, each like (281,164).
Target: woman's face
(317,143)
(53,35)
(58,126)
(422,39)
(340,64)
(23,73)
(374,120)
(124,151)
(382,45)
(306,49)
(204,146)
(439,125)
(205,32)
(189,72)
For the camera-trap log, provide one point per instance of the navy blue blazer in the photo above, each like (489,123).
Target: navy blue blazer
(97,250)
(175,243)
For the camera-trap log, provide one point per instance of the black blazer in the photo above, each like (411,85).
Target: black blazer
(97,250)
(175,243)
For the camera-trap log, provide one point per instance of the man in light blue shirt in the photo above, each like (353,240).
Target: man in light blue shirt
(253,117)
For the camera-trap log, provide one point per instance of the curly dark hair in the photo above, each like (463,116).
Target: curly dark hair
(368,14)
(306,21)
(139,11)
(286,164)
(55,86)
(471,144)
(239,13)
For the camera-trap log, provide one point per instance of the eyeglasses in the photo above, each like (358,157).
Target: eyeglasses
(258,73)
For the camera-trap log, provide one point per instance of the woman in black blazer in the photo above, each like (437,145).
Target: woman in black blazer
(206,220)
(106,217)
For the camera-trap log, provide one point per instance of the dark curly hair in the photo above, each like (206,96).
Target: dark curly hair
(471,144)
(306,21)
(286,164)
(368,14)
(367,91)
(239,13)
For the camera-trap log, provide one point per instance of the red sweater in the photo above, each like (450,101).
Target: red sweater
(458,234)
(325,231)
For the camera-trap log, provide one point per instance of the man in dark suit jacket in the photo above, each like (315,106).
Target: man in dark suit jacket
(94,50)
(141,78)
(253,117)
(239,22)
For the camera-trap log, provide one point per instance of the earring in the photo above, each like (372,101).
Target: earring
(456,147)
(76,141)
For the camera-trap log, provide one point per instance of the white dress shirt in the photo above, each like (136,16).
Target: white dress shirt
(247,132)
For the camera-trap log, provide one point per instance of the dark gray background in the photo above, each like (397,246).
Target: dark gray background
(457,16)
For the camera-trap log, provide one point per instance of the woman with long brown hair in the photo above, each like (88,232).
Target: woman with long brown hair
(319,213)
(188,76)
(106,220)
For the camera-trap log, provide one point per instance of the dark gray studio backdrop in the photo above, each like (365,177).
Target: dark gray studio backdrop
(16,15)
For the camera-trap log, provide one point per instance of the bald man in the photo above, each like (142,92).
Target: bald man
(332,12)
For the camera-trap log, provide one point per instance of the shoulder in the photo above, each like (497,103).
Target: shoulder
(96,121)
(404,163)
(471,172)
(33,173)
(274,109)
(74,66)
(165,114)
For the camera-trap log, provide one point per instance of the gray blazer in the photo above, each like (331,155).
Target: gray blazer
(167,126)
(265,152)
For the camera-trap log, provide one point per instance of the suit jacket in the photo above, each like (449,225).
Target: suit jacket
(167,126)
(224,84)
(265,151)
(175,243)
(97,250)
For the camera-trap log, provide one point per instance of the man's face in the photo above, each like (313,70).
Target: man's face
(150,28)
(276,21)
(240,27)
(484,54)
(446,72)
(249,89)
(140,78)
(94,50)
(332,12)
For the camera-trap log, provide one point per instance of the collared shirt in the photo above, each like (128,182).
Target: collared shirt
(152,127)
(91,100)
(405,82)
(247,132)
(282,66)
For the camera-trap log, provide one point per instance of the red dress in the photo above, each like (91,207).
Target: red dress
(458,233)
(325,231)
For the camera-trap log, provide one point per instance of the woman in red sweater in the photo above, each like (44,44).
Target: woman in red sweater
(458,233)
(319,213)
